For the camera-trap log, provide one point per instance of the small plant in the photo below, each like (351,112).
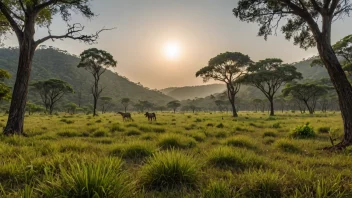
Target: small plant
(219,189)
(176,141)
(304,131)
(136,150)
(269,134)
(116,128)
(277,125)
(101,132)
(170,169)
(240,141)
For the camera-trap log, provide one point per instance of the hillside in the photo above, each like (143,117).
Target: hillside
(54,63)
(191,92)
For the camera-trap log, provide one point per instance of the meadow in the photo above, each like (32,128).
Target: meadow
(180,155)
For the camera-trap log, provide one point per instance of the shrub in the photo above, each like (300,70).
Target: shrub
(277,125)
(133,132)
(323,129)
(263,184)
(226,157)
(136,150)
(240,141)
(103,178)
(169,169)
(116,128)
(176,141)
(101,132)
(287,146)
(269,134)
(219,189)
(304,131)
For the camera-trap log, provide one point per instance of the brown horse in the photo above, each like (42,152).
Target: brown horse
(126,116)
(150,116)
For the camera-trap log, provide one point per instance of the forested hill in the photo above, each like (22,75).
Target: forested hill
(191,92)
(54,63)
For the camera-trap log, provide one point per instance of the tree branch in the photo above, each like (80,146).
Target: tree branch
(4,9)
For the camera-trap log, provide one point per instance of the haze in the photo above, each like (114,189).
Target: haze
(201,29)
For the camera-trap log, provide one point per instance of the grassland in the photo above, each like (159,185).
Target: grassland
(180,155)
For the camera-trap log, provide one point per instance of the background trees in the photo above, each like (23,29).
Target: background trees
(23,19)
(226,67)
(125,103)
(268,76)
(51,91)
(96,62)
(174,105)
(106,101)
(302,24)
(308,93)
(5,91)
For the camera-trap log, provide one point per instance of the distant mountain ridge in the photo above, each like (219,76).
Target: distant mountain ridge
(54,63)
(192,92)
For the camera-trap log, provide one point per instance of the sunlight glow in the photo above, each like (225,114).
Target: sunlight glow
(172,50)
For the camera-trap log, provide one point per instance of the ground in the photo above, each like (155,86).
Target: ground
(179,155)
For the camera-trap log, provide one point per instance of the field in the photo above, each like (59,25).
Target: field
(180,155)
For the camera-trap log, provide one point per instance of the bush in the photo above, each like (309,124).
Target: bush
(304,131)
(103,178)
(287,146)
(176,141)
(226,157)
(135,150)
(323,129)
(219,189)
(169,169)
(240,141)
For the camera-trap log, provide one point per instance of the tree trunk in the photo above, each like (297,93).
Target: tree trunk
(342,86)
(234,111)
(94,106)
(125,109)
(271,100)
(19,96)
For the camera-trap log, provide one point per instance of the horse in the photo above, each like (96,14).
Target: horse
(150,116)
(125,116)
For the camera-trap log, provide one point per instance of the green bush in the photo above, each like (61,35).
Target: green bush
(304,131)
(136,150)
(102,178)
(169,169)
(176,141)
(227,157)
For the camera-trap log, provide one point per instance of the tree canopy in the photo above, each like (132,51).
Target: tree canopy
(173,105)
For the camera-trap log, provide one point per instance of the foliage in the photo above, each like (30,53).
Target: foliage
(304,131)
(5,91)
(173,105)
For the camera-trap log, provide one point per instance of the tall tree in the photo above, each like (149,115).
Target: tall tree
(308,93)
(174,105)
(308,22)
(5,91)
(106,101)
(71,107)
(96,62)
(268,76)
(23,18)
(226,67)
(125,103)
(51,91)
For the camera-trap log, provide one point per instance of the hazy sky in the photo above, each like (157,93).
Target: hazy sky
(202,29)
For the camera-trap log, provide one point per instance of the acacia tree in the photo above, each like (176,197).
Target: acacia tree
(23,18)
(226,67)
(96,62)
(51,91)
(106,101)
(174,105)
(308,93)
(125,103)
(308,22)
(268,76)
(5,91)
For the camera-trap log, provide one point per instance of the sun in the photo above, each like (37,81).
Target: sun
(172,50)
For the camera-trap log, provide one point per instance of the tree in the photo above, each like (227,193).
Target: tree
(226,67)
(106,101)
(308,93)
(71,107)
(96,62)
(5,91)
(32,108)
(125,103)
(174,105)
(24,18)
(302,18)
(51,91)
(143,105)
(256,103)
(268,76)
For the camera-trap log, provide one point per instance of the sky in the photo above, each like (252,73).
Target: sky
(200,30)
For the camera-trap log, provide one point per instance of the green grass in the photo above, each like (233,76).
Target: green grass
(253,155)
